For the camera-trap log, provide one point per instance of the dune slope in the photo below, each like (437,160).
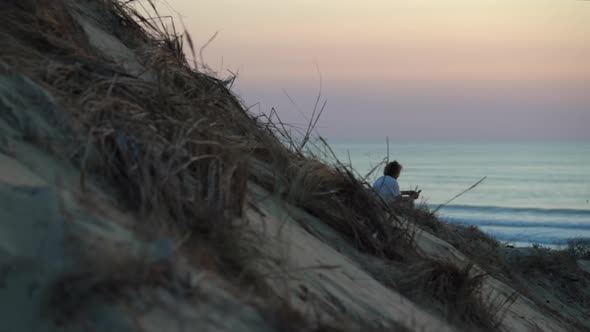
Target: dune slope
(138,194)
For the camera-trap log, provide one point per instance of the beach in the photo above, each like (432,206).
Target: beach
(535,192)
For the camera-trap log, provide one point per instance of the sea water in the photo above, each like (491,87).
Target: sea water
(534,192)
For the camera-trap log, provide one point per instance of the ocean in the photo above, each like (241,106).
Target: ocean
(534,192)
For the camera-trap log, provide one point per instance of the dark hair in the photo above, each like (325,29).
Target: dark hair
(392,168)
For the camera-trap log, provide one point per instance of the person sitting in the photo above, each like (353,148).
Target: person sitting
(387,186)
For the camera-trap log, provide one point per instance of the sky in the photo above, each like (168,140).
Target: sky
(420,69)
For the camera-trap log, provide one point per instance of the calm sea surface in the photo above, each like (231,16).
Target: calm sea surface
(534,192)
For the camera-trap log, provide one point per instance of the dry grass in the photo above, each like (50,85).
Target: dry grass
(545,260)
(181,150)
(284,318)
(72,291)
(553,280)
(168,145)
(337,197)
(318,182)
(481,248)
(579,248)
(176,150)
(531,272)
(456,293)
(444,289)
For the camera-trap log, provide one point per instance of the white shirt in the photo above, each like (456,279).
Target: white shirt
(387,187)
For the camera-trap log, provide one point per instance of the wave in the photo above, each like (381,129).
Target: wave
(519,224)
(532,238)
(513,210)
(523,225)
(546,233)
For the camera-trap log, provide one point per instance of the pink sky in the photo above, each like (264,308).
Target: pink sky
(451,69)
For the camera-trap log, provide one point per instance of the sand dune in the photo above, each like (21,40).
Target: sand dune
(138,194)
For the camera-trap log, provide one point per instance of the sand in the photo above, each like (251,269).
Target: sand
(53,232)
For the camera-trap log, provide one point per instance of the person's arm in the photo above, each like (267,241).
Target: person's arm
(411,194)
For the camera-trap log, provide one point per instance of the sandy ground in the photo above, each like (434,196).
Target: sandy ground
(323,282)
(522,315)
(59,244)
(42,210)
(44,215)
(326,274)
(108,44)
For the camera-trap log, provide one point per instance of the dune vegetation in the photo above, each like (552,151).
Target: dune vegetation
(137,192)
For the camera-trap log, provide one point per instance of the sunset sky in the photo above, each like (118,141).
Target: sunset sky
(436,69)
